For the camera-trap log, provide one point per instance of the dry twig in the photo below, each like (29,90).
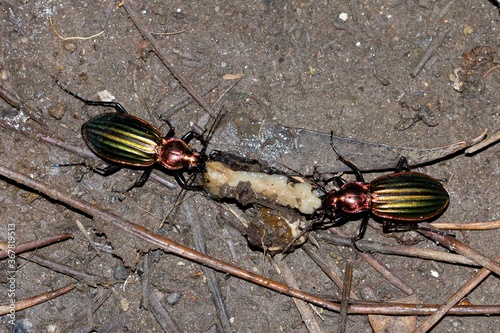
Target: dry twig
(457,297)
(89,279)
(468,226)
(483,144)
(213,285)
(379,267)
(168,245)
(72,38)
(435,44)
(31,245)
(310,250)
(457,246)
(344,303)
(166,60)
(305,311)
(35,300)
(407,251)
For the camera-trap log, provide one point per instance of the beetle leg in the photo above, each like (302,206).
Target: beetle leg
(402,165)
(362,229)
(117,106)
(340,181)
(361,232)
(192,135)
(188,137)
(340,218)
(182,183)
(141,181)
(109,170)
(357,172)
(171,129)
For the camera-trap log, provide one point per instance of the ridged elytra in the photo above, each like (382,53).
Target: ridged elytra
(404,196)
(407,196)
(126,140)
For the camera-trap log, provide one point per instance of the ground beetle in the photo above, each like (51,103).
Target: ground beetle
(404,196)
(125,140)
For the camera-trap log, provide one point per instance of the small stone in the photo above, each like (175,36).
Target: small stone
(173,298)
(57,111)
(468,29)
(120,272)
(69,46)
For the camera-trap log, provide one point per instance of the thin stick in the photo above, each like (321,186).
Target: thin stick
(489,71)
(455,245)
(35,300)
(89,279)
(305,311)
(435,44)
(28,112)
(460,294)
(182,104)
(468,226)
(407,251)
(310,250)
(346,290)
(165,319)
(212,284)
(380,267)
(129,7)
(145,280)
(485,143)
(71,38)
(9,98)
(156,240)
(31,245)
(87,237)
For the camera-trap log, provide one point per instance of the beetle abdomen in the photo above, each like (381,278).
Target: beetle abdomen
(408,196)
(122,138)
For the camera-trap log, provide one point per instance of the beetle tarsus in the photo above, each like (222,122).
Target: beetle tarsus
(142,180)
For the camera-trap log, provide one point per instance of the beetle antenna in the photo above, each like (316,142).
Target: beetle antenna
(357,172)
(211,131)
(218,118)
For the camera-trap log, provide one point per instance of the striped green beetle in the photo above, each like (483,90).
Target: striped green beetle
(126,140)
(403,196)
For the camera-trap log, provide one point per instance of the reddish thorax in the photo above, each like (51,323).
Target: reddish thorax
(174,154)
(352,198)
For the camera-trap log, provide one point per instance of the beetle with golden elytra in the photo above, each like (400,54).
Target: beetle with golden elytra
(403,196)
(125,140)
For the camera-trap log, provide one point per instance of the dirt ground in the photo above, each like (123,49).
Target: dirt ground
(322,65)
